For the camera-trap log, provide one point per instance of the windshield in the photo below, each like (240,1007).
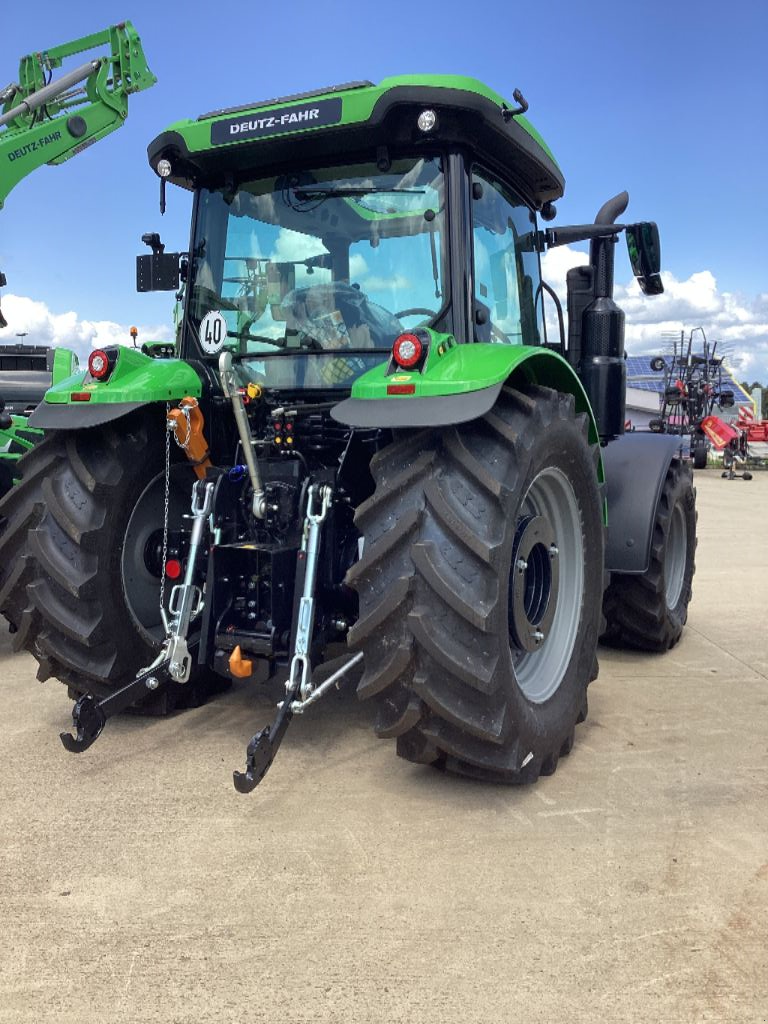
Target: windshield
(316,273)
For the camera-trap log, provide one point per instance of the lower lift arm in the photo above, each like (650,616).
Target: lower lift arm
(89,714)
(300,691)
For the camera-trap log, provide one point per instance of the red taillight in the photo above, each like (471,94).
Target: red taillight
(81,396)
(98,364)
(173,568)
(401,389)
(407,350)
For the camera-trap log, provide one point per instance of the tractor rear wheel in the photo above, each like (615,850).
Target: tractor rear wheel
(81,554)
(648,611)
(480,586)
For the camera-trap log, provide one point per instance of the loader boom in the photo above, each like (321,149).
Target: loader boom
(47,121)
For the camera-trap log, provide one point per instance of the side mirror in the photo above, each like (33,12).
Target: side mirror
(644,248)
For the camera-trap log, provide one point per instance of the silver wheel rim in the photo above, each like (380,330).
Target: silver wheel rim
(674,560)
(540,673)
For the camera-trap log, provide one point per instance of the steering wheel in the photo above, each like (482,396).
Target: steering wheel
(310,344)
(498,334)
(415,311)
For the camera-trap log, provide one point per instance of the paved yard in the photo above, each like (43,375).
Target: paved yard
(631,886)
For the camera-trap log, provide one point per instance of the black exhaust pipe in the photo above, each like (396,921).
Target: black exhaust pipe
(603,369)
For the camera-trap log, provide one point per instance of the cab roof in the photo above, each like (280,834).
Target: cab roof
(358,118)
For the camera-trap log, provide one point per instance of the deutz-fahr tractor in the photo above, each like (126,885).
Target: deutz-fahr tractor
(367,448)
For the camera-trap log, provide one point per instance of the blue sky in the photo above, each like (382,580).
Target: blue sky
(668,101)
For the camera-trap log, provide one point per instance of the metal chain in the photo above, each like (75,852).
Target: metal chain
(168,429)
(184,409)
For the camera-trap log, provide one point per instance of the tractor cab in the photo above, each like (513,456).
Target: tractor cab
(318,265)
(326,227)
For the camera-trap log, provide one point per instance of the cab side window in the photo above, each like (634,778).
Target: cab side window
(506,266)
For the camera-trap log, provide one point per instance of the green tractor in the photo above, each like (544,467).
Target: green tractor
(48,121)
(368,448)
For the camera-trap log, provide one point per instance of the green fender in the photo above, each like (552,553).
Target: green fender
(458,383)
(78,400)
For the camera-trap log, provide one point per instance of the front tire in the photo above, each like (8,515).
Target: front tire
(648,611)
(477,538)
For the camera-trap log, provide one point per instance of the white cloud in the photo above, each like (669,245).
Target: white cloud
(357,266)
(555,264)
(44,327)
(293,245)
(738,324)
(394,283)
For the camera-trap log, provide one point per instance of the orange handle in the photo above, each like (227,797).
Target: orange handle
(190,435)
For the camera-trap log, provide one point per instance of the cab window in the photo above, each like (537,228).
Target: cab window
(507,276)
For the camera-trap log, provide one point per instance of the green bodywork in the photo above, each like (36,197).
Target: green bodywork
(136,378)
(18,434)
(358,103)
(65,363)
(67,124)
(15,441)
(456,370)
(453,369)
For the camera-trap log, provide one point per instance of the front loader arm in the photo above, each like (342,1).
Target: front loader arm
(46,122)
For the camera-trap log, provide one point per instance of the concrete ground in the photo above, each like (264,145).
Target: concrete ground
(137,886)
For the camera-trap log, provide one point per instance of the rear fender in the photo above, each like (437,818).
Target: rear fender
(635,470)
(135,381)
(458,383)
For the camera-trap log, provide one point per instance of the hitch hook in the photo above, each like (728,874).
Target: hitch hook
(90,715)
(263,747)
(89,720)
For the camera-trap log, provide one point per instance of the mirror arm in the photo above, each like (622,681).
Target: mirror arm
(579,233)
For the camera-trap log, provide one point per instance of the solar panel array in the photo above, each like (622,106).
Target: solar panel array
(641,376)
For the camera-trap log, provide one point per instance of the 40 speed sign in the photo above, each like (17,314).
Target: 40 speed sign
(213,332)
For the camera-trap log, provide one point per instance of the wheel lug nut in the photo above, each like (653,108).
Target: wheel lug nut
(522,565)
(553,551)
(537,636)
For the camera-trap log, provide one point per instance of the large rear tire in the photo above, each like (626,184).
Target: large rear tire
(477,538)
(77,582)
(648,611)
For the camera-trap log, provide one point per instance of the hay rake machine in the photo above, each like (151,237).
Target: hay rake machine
(694,384)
